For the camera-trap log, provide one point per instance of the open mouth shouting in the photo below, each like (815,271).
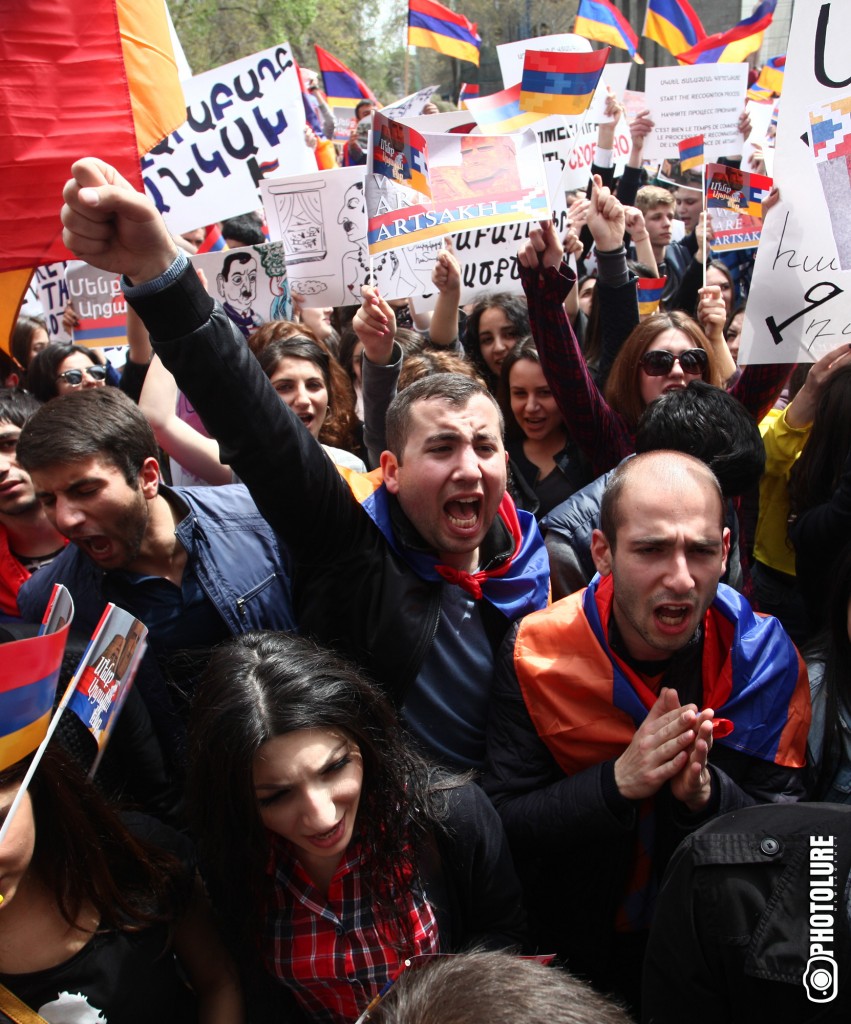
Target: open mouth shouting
(463,513)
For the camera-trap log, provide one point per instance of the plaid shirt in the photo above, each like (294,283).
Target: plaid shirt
(329,951)
(604,435)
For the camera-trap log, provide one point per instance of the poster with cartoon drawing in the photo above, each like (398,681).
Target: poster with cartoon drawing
(250,283)
(320,220)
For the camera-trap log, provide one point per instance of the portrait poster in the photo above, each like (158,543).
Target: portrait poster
(426,186)
(320,219)
(799,306)
(245,121)
(734,200)
(249,282)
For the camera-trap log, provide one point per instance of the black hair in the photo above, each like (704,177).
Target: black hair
(16,406)
(42,371)
(261,685)
(517,313)
(100,422)
(712,425)
(245,229)
(22,333)
(234,257)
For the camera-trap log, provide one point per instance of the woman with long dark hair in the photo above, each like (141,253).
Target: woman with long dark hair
(95,908)
(331,849)
(495,324)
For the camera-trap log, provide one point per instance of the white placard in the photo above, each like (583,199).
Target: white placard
(573,147)
(614,76)
(799,306)
(53,294)
(244,120)
(410,106)
(703,100)
(321,219)
(249,282)
(511,54)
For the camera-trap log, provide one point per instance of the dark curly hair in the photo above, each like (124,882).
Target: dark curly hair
(261,685)
(517,313)
(276,341)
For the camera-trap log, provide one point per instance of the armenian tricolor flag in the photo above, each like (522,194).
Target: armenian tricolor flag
(736,44)
(601,20)
(673,25)
(759,94)
(213,241)
(500,113)
(468,90)
(772,74)
(28,683)
(434,26)
(560,83)
(691,153)
(650,294)
(343,88)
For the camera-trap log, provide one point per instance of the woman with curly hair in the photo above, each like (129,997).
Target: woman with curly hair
(495,324)
(331,850)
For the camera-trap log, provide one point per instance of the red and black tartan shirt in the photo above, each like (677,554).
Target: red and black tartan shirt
(329,952)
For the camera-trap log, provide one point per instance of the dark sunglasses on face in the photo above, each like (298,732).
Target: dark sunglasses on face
(659,363)
(75,377)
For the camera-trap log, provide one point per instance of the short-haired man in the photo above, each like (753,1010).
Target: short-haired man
(421,582)
(196,565)
(628,714)
(28,540)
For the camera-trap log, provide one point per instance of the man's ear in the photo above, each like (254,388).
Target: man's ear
(725,552)
(149,478)
(390,468)
(601,552)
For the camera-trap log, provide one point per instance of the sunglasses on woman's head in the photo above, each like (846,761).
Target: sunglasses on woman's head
(658,362)
(75,377)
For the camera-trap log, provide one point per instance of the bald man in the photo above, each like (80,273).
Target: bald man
(630,713)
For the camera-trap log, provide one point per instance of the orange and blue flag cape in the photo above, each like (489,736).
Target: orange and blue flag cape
(673,25)
(560,83)
(734,45)
(602,21)
(586,703)
(438,28)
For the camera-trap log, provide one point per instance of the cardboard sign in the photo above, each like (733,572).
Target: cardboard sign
(686,101)
(245,121)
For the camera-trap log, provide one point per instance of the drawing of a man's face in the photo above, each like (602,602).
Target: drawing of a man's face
(238,281)
(485,158)
(353,214)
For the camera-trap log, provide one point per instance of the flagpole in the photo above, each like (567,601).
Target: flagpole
(51,729)
(705,215)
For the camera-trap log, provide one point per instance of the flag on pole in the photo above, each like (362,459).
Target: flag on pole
(500,113)
(343,88)
(673,25)
(601,20)
(468,90)
(772,74)
(734,45)
(28,680)
(560,83)
(691,153)
(650,291)
(434,26)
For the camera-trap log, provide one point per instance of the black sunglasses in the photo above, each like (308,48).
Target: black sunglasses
(659,363)
(75,377)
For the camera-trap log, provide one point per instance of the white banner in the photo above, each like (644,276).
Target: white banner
(244,120)
(799,305)
(703,100)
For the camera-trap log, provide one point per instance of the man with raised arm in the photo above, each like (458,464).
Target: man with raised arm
(420,583)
